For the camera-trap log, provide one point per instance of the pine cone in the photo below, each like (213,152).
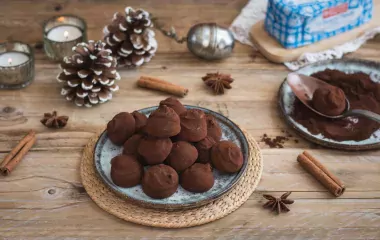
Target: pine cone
(131,38)
(89,75)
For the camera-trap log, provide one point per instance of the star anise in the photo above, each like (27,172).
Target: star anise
(278,204)
(218,81)
(52,120)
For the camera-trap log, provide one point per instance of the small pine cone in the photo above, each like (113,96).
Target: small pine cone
(89,75)
(131,38)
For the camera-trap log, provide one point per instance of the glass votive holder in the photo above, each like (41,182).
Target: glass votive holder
(16,65)
(61,34)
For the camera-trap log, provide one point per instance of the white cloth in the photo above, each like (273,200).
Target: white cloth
(254,11)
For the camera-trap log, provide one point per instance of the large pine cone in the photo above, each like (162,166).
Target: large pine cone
(89,75)
(131,38)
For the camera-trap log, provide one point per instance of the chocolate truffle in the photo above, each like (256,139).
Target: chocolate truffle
(140,120)
(174,104)
(120,128)
(160,181)
(226,157)
(198,178)
(213,128)
(132,144)
(193,126)
(204,149)
(126,171)
(154,150)
(329,101)
(163,123)
(182,156)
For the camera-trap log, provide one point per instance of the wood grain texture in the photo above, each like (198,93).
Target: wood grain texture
(44,199)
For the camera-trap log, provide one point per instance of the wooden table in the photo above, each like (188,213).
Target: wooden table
(44,199)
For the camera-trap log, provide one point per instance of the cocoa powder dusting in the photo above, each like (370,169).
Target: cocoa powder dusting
(361,92)
(277,142)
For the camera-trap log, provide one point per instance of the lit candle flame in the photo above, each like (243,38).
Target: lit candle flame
(60,19)
(66,34)
(10,61)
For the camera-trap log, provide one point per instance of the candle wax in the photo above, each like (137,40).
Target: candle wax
(58,34)
(16,57)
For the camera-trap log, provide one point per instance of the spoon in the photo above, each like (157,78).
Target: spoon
(304,86)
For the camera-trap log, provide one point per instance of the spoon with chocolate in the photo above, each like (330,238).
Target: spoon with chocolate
(324,99)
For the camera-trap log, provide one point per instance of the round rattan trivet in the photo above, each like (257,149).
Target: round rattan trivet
(121,208)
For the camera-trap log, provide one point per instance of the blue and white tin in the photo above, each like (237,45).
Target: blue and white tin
(296,23)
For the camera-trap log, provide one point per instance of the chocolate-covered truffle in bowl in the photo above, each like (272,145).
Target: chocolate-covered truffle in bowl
(132,144)
(193,126)
(126,171)
(198,178)
(213,128)
(174,104)
(154,150)
(140,120)
(182,156)
(162,123)
(120,128)
(227,157)
(330,101)
(204,149)
(160,181)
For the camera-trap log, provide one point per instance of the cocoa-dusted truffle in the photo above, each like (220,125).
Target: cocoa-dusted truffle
(126,171)
(154,150)
(330,101)
(182,156)
(197,178)
(120,128)
(213,128)
(227,157)
(193,126)
(204,149)
(140,120)
(163,122)
(160,181)
(174,104)
(132,144)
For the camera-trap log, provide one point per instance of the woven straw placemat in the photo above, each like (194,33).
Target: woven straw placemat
(119,207)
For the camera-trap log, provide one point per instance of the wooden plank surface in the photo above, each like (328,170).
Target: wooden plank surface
(44,199)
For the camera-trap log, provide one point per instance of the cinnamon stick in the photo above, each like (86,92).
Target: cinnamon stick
(318,171)
(162,85)
(17,153)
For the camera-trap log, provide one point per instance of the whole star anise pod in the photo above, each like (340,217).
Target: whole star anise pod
(52,120)
(278,204)
(218,81)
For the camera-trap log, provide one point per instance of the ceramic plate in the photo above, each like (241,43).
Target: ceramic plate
(286,100)
(105,150)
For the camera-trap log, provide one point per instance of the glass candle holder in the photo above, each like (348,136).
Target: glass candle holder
(61,34)
(16,65)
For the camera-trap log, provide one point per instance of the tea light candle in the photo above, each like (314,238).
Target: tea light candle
(61,34)
(16,65)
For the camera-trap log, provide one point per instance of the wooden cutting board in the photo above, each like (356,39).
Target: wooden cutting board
(275,52)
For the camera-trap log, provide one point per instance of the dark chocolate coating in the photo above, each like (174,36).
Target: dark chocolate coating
(154,150)
(160,181)
(140,120)
(174,104)
(163,123)
(227,157)
(182,156)
(126,171)
(198,178)
(204,149)
(213,128)
(132,144)
(330,101)
(120,128)
(193,126)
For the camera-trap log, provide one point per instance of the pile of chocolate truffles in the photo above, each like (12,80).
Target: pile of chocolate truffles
(179,146)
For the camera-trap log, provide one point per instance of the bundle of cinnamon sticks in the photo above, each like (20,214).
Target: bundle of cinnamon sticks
(17,153)
(322,174)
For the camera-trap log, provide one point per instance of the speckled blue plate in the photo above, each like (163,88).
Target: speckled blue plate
(105,150)
(286,102)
